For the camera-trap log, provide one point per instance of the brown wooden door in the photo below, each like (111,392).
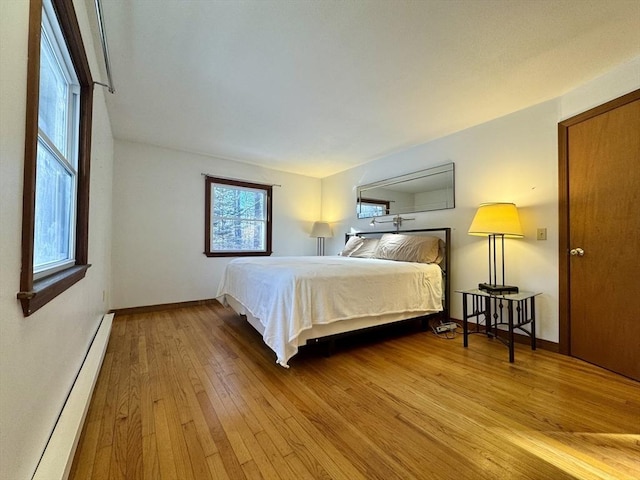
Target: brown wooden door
(601,214)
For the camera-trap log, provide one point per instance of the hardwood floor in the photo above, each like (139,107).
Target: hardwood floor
(193,393)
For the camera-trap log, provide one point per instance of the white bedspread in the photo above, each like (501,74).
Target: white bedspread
(290,294)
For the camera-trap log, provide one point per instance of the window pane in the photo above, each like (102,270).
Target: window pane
(54,194)
(238,235)
(371,210)
(234,202)
(53,103)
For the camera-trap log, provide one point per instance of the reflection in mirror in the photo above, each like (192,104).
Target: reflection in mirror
(429,189)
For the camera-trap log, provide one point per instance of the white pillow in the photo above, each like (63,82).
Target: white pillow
(351,246)
(367,249)
(410,248)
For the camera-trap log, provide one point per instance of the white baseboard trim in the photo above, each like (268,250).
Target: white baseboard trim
(58,455)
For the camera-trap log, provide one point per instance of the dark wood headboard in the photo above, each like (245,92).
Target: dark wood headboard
(442,232)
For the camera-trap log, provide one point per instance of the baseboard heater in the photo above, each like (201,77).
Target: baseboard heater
(58,455)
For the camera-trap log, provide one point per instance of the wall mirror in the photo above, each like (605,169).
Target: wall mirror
(422,191)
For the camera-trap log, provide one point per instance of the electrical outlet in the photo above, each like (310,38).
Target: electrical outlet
(542,234)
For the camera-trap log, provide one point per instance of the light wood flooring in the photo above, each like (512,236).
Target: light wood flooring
(193,393)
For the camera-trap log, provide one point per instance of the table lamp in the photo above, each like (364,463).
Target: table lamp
(496,220)
(320,230)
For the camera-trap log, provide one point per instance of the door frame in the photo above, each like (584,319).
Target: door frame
(564,314)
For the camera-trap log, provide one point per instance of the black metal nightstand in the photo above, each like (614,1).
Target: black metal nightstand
(492,310)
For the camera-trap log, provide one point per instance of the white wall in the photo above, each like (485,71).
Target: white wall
(41,354)
(158,236)
(512,159)
(623,79)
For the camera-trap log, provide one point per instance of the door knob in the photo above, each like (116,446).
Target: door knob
(576,252)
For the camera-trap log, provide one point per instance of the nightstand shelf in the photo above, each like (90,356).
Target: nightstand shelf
(514,311)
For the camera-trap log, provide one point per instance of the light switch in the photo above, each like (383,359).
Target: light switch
(542,234)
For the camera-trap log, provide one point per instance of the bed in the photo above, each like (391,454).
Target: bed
(379,278)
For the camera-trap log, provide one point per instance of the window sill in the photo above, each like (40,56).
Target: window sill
(46,289)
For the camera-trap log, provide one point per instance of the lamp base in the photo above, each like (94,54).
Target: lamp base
(497,289)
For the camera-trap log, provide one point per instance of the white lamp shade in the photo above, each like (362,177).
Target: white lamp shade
(496,219)
(321,230)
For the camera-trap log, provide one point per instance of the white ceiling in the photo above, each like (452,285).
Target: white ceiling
(316,87)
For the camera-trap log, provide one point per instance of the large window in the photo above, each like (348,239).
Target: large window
(238,218)
(57,149)
(56,164)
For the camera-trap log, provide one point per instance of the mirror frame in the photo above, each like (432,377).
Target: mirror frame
(361,191)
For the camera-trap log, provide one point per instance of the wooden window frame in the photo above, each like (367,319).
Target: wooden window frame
(209,180)
(36,293)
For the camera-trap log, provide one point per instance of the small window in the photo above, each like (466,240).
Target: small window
(369,207)
(238,218)
(55,206)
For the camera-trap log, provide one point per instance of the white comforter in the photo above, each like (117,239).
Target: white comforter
(290,294)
